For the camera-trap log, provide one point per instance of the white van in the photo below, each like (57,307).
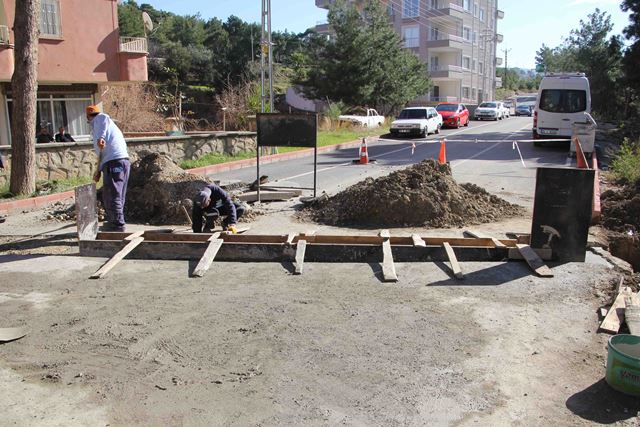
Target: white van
(563,99)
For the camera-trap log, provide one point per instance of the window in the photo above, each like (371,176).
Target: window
(410,8)
(433,4)
(411,36)
(474,38)
(466,33)
(563,101)
(476,8)
(434,33)
(480,67)
(473,93)
(390,10)
(482,15)
(473,65)
(50,18)
(435,63)
(466,4)
(465,92)
(466,62)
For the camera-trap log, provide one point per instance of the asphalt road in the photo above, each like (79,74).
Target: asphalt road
(482,153)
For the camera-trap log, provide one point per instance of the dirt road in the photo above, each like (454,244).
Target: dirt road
(252,345)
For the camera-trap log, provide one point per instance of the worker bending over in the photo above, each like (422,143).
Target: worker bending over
(213,202)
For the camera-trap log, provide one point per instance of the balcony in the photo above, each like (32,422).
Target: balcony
(323,28)
(499,14)
(499,38)
(498,82)
(323,4)
(446,43)
(4,35)
(498,61)
(446,72)
(133,45)
(445,11)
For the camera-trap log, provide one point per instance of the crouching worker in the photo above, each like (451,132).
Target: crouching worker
(213,202)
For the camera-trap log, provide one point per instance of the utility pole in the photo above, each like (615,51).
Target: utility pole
(506,59)
(266,56)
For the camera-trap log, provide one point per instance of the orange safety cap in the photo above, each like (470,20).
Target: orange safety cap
(93,109)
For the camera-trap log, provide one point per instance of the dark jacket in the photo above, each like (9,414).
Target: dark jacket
(220,204)
(43,138)
(64,138)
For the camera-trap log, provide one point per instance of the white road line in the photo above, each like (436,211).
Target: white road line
(400,149)
(489,148)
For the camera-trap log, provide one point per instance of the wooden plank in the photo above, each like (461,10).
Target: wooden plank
(135,235)
(388,267)
(301,248)
(615,317)
(477,235)
(117,258)
(417,240)
(534,261)
(209,254)
(290,238)
(384,234)
(86,211)
(12,334)
(455,266)
(498,243)
(545,254)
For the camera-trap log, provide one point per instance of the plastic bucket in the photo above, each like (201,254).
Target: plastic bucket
(623,364)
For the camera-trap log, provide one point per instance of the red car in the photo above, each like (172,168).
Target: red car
(453,115)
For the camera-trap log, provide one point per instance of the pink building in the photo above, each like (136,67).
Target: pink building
(79,50)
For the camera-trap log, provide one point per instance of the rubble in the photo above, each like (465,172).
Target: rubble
(424,194)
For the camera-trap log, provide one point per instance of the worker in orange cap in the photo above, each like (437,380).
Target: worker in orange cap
(113,164)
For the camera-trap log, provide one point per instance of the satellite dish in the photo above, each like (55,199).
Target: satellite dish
(147,22)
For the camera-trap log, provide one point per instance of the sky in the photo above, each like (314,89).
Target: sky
(526,26)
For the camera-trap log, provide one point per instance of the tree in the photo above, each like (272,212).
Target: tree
(631,61)
(364,64)
(24,88)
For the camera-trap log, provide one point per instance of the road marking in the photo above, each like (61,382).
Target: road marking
(488,148)
(404,148)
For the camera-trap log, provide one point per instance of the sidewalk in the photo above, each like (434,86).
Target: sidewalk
(40,201)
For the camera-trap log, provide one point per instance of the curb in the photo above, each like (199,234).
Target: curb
(40,201)
(596,210)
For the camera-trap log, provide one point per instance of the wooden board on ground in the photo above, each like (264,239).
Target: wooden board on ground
(615,316)
(534,261)
(388,267)
(301,248)
(455,266)
(417,240)
(269,196)
(215,243)
(117,258)
(86,212)
(478,235)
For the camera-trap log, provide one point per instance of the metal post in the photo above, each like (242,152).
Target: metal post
(262,56)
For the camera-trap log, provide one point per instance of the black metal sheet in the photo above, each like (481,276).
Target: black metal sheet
(86,211)
(287,130)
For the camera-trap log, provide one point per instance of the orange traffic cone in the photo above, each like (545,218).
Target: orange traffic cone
(364,153)
(581,160)
(442,158)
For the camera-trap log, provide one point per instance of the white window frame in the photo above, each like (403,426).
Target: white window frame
(473,64)
(476,10)
(482,14)
(433,4)
(466,62)
(466,91)
(434,33)
(466,33)
(50,22)
(410,8)
(466,5)
(411,42)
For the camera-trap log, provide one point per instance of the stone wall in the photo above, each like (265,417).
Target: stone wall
(77,159)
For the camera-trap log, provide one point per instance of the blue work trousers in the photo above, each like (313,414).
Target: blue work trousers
(115,175)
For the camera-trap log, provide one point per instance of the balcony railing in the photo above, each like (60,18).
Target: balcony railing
(445,36)
(133,45)
(452,68)
(499,14)
(4,35)
(498,61)
(456,7)
(499,38)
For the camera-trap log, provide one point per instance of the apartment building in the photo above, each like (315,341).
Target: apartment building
(79,50)
(456,39)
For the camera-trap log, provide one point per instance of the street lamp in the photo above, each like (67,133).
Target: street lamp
(224,119)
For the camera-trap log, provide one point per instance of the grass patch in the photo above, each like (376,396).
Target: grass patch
(47,187)
(338,136)
(626,165)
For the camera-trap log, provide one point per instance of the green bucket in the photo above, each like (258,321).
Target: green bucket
(623,364)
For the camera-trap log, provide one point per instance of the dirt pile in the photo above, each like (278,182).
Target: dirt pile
(621,216)
(157,187)
(422,195)
(66,211)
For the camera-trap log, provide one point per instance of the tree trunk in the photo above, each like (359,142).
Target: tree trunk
(24,89)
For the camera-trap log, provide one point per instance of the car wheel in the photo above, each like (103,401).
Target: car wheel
(438,129)
(467,122)
(425,132)
(458,124)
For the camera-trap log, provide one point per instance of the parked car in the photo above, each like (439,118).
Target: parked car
(563,99)
(453,115)
(417,121)
(506,112)
(524,110)
(489,111)
(368,118)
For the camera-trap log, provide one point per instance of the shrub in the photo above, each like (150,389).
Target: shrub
(626,165)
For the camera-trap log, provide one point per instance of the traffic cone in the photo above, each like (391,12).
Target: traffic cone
(364,153)
(442,158)
(581,160)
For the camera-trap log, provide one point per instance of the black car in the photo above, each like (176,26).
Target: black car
(524,110)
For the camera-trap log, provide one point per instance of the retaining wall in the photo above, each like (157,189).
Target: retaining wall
(77,159)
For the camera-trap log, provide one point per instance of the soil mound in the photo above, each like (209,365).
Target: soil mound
(621,209)
(157,187)
(422,195)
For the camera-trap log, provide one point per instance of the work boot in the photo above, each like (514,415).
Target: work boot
(107,226)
